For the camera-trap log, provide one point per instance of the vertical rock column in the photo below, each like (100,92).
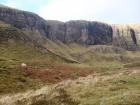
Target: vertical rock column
(124,36)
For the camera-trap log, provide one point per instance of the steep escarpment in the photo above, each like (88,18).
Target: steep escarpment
(136,27)
(21,19)
(94,33)
(81,32)
(31,23)
(125,36)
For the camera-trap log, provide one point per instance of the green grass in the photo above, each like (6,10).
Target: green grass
(102,59)
(19,51)
(3,24)
(126,91)
(63,98)
(12,78)
(122,90)
(12,54)
(119,91)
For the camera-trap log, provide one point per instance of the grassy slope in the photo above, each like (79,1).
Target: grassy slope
(12,54)
(102,59)
(99,57)
(105,60)
(123,90)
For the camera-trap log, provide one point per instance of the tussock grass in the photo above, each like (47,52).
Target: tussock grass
(121,88)
(12,78)
(117,91)
(13,54)
(111,87)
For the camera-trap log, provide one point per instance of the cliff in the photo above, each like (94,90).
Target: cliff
(30,23)
(95,33)
(125,36)
(22,19)
(81,32)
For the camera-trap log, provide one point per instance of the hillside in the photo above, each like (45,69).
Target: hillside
(13,52)
(68,63)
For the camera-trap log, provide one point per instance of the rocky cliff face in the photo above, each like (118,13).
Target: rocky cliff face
(82,32)
(21,19)
(93,33)
(125,36)
(136,28)
(26,21)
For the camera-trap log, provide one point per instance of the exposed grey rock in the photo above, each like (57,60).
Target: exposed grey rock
(136,28)
(81,32)
(21,19)
(124,36)
(56,30)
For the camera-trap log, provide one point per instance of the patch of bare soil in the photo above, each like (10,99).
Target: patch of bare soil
(58,73)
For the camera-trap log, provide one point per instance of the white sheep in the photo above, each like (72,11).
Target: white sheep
(23,66)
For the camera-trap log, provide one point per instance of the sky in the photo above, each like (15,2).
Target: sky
(110,11)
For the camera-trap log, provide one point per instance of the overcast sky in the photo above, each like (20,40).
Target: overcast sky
(111,11)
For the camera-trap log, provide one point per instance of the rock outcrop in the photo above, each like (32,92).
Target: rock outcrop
(26,21)
(124,36)
(81,32)
(95,33)
(22,19)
